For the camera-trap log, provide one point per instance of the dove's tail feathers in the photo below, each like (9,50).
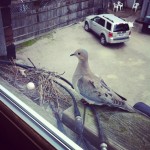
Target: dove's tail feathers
(129,108)
(123,105)
(123,98)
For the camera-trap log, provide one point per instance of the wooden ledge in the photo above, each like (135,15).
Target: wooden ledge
(124,131)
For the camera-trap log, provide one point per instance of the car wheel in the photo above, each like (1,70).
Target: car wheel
(86,26)
(103,40)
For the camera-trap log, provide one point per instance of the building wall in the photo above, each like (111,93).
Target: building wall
(130,3)
(145,8)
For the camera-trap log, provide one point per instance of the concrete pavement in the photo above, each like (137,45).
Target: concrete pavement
(124,67)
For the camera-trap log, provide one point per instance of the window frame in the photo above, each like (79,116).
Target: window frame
(115,29)
(33,120)
(103,22)
(107,26)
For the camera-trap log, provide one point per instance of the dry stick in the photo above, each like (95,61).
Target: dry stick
(13,65)
(31,62)
(43,85)
(57,76)
(15,70)
(55,93)
(5,74)
(41,91)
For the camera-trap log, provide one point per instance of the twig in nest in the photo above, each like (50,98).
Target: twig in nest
(60,74)
(31,62)
(48,89)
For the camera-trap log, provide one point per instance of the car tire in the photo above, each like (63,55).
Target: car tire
(103,40)
(86,27)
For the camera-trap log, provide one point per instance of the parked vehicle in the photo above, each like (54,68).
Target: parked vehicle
(146,25)
(110,28)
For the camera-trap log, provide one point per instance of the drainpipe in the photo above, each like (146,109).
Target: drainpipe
(147,8)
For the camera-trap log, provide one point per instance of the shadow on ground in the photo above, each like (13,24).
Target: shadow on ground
(125,13)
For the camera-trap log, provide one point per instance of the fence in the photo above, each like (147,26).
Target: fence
(31,19)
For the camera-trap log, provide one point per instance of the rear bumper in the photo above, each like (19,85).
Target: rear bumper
(118,40)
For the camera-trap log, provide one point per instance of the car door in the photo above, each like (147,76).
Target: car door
(94,24)
(98,25)
(101,26)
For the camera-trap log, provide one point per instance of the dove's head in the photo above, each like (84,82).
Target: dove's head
(81,54)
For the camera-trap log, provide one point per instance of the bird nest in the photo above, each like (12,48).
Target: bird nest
(45,88)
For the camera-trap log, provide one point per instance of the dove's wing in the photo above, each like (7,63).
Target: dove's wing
(100,94)
(105,85)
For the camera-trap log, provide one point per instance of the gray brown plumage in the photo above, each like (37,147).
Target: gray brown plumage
(92,88)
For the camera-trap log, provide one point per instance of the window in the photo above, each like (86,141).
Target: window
(108,26)
(121,27)
(102,22)
(96,19)
(34,120)
(41,113)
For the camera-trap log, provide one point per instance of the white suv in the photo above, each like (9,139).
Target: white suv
(109,27)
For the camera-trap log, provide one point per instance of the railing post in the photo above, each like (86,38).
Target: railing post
(8,48)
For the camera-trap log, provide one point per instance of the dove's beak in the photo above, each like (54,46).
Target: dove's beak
(72,55)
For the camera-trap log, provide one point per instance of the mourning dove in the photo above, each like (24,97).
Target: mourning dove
(92,88)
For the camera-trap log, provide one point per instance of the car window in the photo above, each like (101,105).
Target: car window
(121,27)
(101,22)
(108,26)
(96,19)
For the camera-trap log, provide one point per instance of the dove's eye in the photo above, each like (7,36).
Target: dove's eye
(78,53)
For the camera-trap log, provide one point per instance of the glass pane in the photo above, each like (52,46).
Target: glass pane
(102,22)
(121,27)
(40,118)
(108,26)
(39,92)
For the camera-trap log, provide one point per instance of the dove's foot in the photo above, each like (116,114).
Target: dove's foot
(84,102)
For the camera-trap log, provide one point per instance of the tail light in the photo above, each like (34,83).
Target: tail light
(129,32)
(110,34)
